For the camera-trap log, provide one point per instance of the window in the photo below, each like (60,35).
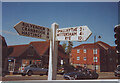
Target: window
(94,51)
(78,50)
(84,58)
(84,50)
(95,66)
(11,66)
(78,58)
(95,59)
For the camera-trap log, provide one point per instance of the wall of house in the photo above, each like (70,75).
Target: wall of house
(108,61)
(89,56)
(4,53)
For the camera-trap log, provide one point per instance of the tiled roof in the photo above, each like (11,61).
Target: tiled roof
(16,50)
(96,45)
(40,46)
(104,45)
(91,45)
(114,47)
(2,42)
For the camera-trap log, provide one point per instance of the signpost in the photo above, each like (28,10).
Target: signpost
(32,30)
(81,33)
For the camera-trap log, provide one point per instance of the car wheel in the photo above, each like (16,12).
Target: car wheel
(47,73)
(90,76)
(23,74)
(3,74)
(75,77)
(67,78)
(29,73)
(116,75)
(41,74)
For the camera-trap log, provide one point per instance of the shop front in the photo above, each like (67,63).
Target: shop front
(32,53)
(23,55)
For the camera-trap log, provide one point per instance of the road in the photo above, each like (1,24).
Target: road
(107,75)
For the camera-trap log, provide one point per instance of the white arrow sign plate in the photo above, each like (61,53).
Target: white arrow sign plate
(81,33)
(32,30)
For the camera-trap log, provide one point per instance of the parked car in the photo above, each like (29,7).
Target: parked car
(60,70)
(66,69)
(32,70)
(117,71)
(81,74)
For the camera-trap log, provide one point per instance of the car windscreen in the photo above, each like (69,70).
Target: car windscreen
(34,66)
(118,68)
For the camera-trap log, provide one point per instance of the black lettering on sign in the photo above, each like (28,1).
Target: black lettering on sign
(43,28)
(75,29)
(47,33)
(80,28)
(79,38)
(47,37)
(22,23)
(58,34)
(80,33)
(68,38)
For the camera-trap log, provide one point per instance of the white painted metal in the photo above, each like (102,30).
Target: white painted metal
(81,33)
(50,62)
(53,56)
(32,30)
(61,62)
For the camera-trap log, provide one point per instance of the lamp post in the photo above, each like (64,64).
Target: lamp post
(94,51)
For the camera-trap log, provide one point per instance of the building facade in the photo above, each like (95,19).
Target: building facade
(3,55)
(99,56)
(33,53)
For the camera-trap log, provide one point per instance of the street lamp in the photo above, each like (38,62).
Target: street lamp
(95,49)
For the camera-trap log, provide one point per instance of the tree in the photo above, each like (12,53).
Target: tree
(64,45)
(69,47)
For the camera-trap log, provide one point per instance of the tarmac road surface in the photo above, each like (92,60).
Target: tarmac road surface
(105,75)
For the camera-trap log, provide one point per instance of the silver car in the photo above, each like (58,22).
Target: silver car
(32,70)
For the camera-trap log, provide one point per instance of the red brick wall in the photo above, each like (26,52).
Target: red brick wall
(89,55)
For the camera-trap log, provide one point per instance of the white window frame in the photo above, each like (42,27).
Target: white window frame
(78,58)
(84,50)
(95,59)
(94,51)
(84,58)
(78,50)
(97,67)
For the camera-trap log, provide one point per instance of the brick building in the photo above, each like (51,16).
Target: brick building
(32,53)
(3,55)
(99,55)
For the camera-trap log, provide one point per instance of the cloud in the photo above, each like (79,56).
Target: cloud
(8,32)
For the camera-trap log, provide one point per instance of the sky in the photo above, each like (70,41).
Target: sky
(100,17)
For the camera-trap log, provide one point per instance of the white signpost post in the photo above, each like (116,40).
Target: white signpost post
(81,33)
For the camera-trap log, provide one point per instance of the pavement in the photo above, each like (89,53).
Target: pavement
(102,75)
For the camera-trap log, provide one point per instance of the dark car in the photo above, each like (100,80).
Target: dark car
(81,74)
(32,70)
(60,70)
(117,71)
